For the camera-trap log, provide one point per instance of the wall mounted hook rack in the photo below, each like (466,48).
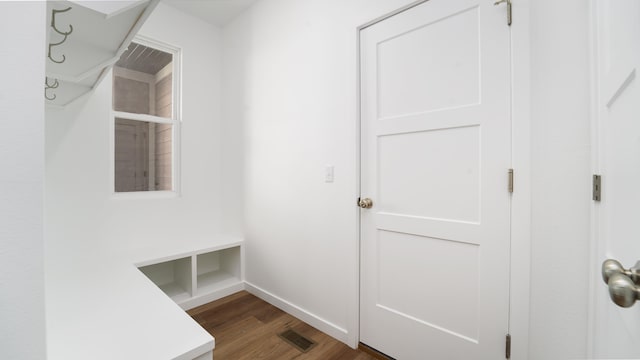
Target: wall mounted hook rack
(54,12)
(50,86)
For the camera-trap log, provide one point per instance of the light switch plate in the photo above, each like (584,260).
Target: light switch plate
(328,173)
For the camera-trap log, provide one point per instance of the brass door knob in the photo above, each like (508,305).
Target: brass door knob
(365,203)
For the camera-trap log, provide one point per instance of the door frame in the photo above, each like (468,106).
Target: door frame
(521,198)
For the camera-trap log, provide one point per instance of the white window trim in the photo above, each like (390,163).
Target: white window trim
(176,121)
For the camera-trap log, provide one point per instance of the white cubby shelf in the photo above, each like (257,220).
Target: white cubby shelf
(195,278)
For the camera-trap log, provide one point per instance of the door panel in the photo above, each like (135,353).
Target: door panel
(454,184)
(453,309)
(436,145)
(450,77)
(617,330)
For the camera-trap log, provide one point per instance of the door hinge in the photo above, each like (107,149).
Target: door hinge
(509,16)
(597,187)
(510,186)
(507,350)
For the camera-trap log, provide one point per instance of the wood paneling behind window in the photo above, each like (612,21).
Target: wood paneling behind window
(130,95)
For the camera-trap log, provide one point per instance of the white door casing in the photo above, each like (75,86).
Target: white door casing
(616,331)
(436,149)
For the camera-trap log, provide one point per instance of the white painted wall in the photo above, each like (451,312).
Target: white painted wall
(22,314)
(81,217)
(290,109)
(561,182)
(289,79)
(289,95)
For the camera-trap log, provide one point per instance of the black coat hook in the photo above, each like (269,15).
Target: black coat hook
(50,86)
(63,33)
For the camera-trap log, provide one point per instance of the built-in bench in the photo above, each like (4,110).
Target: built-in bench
(104,307)
(200,276)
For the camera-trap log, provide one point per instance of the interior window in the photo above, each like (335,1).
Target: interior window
(145,120)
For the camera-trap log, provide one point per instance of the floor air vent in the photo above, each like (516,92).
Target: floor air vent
(296,340)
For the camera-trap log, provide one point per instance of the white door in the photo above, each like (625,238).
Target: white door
(617,215)
(131,155)
(436,149)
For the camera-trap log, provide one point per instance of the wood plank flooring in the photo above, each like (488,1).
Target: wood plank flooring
(245,327)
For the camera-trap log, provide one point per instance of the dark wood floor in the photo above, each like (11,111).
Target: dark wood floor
(246,327)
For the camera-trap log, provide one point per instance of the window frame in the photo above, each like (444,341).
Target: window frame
(175,121)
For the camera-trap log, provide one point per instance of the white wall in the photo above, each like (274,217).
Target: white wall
(290,75)
(290,108)
(561,182)
(81,217)
(289,95)
(22,316)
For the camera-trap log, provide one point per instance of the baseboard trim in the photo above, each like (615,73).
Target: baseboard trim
(317,322)
(213,296)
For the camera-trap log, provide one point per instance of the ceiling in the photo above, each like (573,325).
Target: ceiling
(216,12)
(107,7)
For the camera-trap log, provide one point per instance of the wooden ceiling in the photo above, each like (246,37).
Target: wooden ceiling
(144,59)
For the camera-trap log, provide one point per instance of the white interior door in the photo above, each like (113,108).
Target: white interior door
(617,330)
(131,155)
(436,149)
